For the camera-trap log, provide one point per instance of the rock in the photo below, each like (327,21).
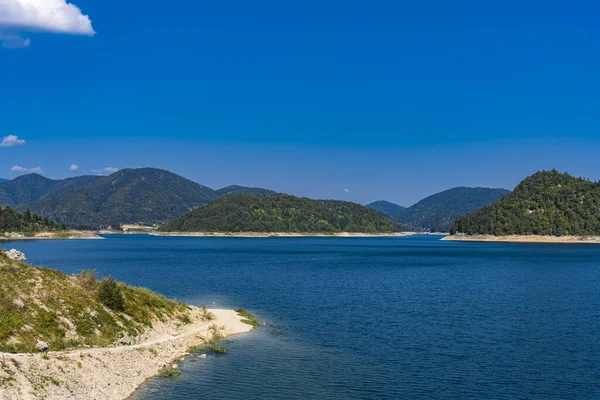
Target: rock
(19,303)
(61,301)
(202,356)
(41,346)
(182,359)
(16,255)
(175,366)
(125,340)
(94,314)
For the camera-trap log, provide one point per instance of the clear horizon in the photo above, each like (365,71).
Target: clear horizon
(361,103)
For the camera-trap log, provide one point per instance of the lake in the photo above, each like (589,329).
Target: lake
(369,318)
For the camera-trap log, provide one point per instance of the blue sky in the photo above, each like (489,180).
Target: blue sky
(386,99)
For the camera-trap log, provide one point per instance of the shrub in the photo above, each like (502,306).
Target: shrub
(87,278)
(110,294)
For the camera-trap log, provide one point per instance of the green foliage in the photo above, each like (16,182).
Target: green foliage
(110,294)
(26,223)
(437,212)
(247,317)
(282,213)
(168,372)
(546,203)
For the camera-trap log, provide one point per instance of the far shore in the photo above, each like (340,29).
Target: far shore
(524,239)
(50,235)
(113,372)
(281,234)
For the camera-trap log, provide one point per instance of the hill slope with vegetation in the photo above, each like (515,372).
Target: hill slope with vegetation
(546,203)
(437,212)
(31,187)
(282,213)
(72,311)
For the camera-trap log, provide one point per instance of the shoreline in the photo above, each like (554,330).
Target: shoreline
(524,239)
(111,372)
(81,235)
(280,234)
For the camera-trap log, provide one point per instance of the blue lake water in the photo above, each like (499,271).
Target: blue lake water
(370,318)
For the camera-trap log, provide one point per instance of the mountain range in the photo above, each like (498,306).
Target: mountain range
(147,195)
(437,212)
(155,196)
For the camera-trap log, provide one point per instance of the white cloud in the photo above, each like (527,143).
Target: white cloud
(45,16)
(36,170)
(13,41)
(347,190)
(73,167)
(105,170)
(11,141)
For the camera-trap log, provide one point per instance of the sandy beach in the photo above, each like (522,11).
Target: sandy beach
(280,234)
(525,239)
(111,372)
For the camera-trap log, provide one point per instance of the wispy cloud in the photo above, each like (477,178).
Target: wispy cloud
(36,170)
(347,190)
(56,16)
(105,170)
(73,167)
(11,141)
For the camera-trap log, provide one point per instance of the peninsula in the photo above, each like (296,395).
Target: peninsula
(81,338)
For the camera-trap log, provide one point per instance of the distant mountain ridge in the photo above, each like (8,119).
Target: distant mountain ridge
(545,203)
(30,187)
(437,212)
(282,213)
(2,180)
(235,189)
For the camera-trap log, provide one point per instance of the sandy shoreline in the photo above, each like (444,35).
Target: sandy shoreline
(50,235)
(279,234)
(111,372)
(524,239)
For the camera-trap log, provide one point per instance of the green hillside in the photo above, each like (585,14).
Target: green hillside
(437,212)
(31,187)
(282,213)
(546,203)
(71,311)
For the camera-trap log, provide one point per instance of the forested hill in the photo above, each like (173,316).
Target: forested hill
(282,213)
(14,221)
(437,212)
(2,180)
(546,203)
(127,196)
